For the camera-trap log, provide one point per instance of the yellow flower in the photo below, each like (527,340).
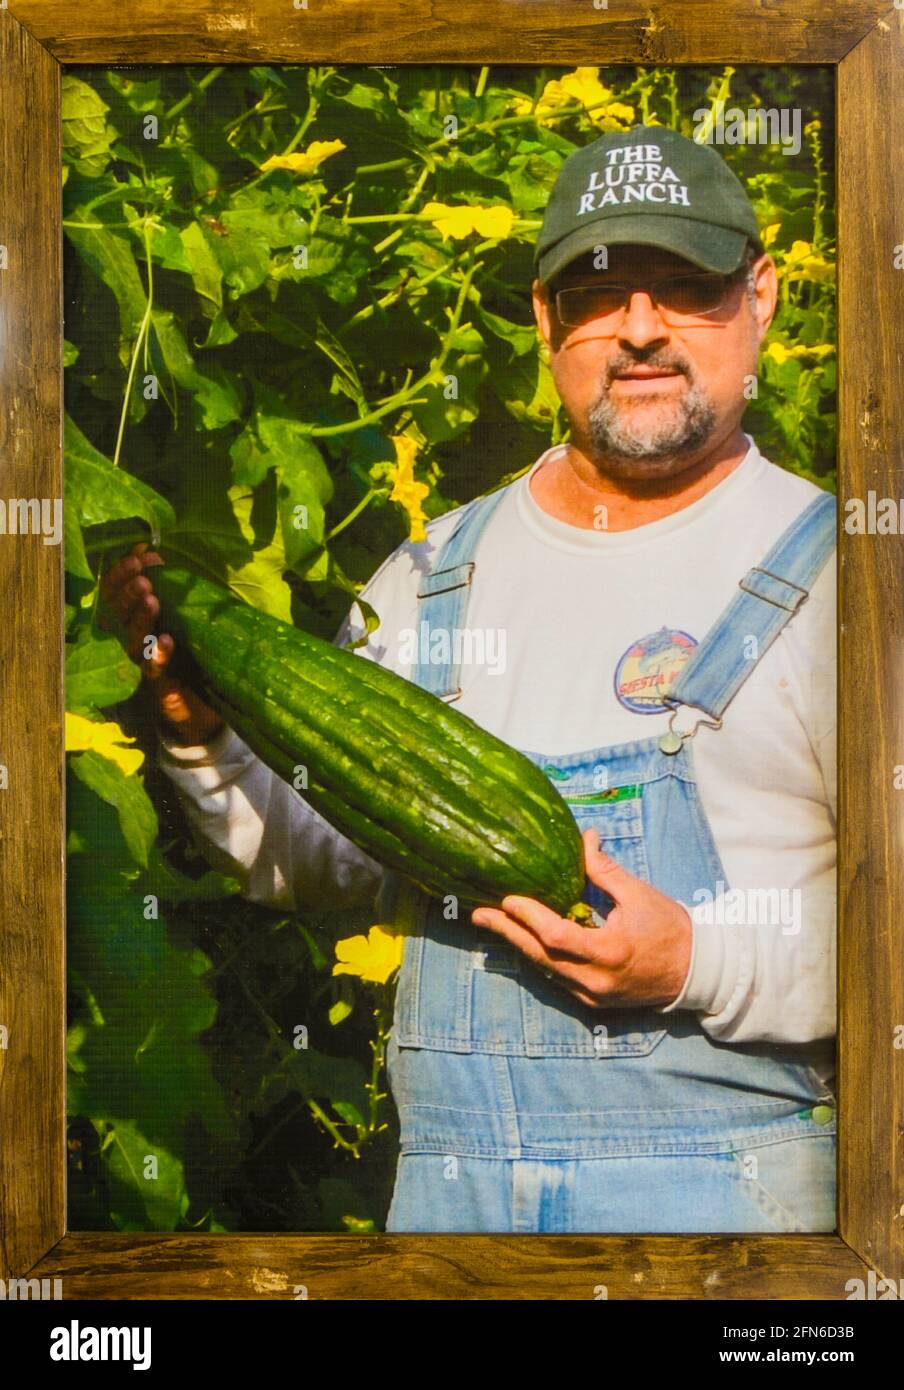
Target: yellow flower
(373,958)
(770,233)
(460,220)
(616,116)
(405,489)
(812,126)
(582,86)
(780,354)
(803,263)
(307,161)
(84,733)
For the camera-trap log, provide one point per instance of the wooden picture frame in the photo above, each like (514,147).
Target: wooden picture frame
(864,39)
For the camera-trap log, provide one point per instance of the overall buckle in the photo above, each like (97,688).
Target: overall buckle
(673,741)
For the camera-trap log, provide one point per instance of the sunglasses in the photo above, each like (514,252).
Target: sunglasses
(679,298)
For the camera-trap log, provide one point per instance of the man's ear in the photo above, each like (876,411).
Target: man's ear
(765,279)
(543,310)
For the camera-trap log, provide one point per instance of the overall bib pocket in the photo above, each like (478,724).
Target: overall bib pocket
(618,822)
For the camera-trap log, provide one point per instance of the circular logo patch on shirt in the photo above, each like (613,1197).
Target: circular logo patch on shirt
(649,669)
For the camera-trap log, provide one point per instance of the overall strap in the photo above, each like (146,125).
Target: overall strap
(443,596)
(769,596)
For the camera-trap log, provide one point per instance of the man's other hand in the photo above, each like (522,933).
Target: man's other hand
(641,955)
(128,595)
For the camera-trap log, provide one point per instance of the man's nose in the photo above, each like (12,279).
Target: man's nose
(641,323)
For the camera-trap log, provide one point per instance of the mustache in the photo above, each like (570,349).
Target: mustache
(663,361)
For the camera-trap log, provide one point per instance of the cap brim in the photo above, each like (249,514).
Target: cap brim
(701,243)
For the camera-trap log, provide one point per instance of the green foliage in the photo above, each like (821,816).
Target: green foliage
(247,343)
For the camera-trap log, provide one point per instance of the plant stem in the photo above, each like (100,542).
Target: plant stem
(392,295)
(410,198)
(819,200)
(341,1142)
(300,132)
(355,512)
(142,331)
(260,106)
(96,226)
(408,393)
(499,123)
(378,1046)
(204,82)
(385,165)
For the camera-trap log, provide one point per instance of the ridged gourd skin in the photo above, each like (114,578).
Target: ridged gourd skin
(414,783)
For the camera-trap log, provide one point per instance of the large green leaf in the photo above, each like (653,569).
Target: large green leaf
(167,247)
(172,887)
(340,1080)
(98,672)
(86,135)
(242,253)
(147,1180)
(337,257)
(448,406)
(530,176)
(94,491)
(234,534)
(527,389)
(140,96)
(276,441)
(216,395)
(109,253)
(520,337)
(124,791)
(204,267)
(275,227)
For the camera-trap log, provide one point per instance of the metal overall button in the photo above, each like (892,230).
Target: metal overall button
(672,741)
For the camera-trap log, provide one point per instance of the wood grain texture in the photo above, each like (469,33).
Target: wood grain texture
(470,31)
(32,994)
(538,1268)
(871,453)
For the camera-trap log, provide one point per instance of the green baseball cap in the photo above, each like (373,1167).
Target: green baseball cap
(649,186)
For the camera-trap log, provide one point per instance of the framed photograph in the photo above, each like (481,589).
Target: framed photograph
(443,491)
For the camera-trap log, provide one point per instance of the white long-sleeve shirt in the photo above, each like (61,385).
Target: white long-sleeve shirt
(561,607)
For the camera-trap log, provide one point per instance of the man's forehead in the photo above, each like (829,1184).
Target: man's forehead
(633,256)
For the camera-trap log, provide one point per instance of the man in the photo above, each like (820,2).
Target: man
(668,612)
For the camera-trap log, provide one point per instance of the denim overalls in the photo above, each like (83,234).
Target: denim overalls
(523,1110)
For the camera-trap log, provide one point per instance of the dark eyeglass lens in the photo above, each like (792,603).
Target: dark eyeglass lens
(692,294)
(581,303)
(685,294)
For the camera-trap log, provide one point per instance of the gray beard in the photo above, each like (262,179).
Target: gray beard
(657,452)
